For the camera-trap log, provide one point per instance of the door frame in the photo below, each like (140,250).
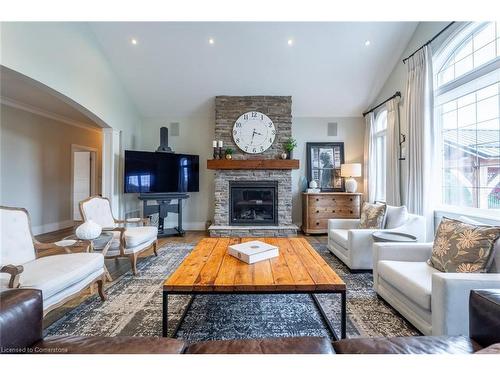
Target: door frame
(93,172)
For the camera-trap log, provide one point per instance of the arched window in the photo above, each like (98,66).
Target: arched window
(467,107)
(380,143)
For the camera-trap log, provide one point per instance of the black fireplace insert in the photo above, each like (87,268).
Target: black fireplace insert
(253,203)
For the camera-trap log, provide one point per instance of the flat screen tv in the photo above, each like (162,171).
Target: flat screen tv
(159,172)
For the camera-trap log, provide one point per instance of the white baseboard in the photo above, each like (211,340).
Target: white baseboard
(51,227)
(189,225)
(195,225)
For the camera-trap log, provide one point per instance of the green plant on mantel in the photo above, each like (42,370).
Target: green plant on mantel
(290,144)
(229,151)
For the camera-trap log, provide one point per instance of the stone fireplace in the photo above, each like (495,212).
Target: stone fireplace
(263,206)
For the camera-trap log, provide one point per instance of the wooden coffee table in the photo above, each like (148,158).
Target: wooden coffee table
(209,269)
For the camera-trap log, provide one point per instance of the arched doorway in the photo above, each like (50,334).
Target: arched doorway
(22,94)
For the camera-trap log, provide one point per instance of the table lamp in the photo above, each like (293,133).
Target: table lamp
(349,171)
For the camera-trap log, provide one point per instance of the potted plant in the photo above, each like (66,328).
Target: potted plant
(289,145)
(229,153)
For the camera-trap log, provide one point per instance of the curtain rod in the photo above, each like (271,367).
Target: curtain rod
(398,93)
(428,42)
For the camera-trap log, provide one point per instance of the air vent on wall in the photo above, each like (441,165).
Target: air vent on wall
(332,129)
(174,129)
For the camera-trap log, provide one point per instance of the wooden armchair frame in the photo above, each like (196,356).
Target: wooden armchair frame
(132,257)
(15,270)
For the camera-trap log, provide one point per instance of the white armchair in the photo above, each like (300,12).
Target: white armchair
(353,246)
(60,277)
(435,302)
(128,241)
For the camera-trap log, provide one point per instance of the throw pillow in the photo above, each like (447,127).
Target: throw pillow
(463,247)
(395,216)
(372,216)
(495,263)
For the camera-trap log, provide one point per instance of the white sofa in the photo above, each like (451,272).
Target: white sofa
(435,302)
(353,246)
(60,277)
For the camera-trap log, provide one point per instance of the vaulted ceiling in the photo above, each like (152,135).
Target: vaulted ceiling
(328,70)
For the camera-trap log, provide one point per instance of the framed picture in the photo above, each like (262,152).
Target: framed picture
(323,164)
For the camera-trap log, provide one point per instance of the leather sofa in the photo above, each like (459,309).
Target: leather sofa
(21,332)
(21,319)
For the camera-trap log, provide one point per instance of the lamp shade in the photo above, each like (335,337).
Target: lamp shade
(350,170)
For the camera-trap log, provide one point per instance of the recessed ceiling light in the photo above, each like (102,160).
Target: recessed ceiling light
(133,41)
(290,42)
(211,41)
(367,43)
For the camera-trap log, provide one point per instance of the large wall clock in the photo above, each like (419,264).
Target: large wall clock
(254,132)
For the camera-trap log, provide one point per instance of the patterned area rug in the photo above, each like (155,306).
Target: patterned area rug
(134,308)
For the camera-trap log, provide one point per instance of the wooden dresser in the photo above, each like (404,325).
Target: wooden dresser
(317,208)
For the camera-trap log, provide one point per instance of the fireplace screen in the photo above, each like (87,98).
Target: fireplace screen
(253,203)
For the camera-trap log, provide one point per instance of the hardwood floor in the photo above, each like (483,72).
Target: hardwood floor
(118,267)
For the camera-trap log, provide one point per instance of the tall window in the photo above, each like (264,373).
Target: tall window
(467,117)
(379,141)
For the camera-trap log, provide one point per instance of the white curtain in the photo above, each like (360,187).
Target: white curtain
(393,182)
(418,114)
(369,158)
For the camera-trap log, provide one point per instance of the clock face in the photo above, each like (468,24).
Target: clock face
(254,132)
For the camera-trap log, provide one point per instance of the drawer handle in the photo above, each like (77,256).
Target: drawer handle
(351,211)
(333,199)
(317,199)
(333,211)
(317,211)
(351,199)
(317,223)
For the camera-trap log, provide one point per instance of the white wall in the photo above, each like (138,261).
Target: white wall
(397,79)
(350,130)
(66,57)
(35,159)
(197,132)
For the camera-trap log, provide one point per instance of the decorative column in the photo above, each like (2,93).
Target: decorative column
(112,169)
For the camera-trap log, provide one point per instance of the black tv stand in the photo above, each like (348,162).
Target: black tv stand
(162,208)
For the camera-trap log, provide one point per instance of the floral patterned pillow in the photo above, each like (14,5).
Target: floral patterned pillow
(372,216)
(463,247)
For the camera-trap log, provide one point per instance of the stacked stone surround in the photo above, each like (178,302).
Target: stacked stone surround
(227,110)
(277,108)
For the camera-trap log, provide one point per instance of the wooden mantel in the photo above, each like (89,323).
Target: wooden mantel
(253,164)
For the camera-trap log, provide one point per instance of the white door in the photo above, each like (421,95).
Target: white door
(81,180)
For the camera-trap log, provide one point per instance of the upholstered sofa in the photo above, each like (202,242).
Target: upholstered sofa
(353,246)
(21,332)
(61,276)
(433,301)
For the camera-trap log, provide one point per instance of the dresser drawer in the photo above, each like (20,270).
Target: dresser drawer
(323,211)
(318,224)
(322,200)
(347,213)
